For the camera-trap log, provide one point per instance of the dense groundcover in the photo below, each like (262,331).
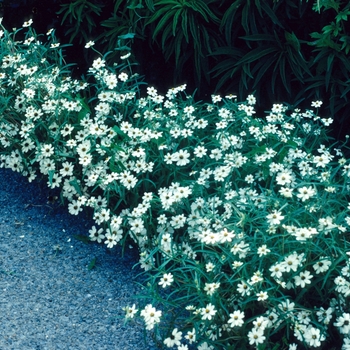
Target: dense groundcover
(240,217)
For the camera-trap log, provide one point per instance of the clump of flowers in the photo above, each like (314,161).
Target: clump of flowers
(241,220)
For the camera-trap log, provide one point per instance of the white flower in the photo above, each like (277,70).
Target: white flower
(181,157)
(256,336)
(136,225)
(178,221)
(123,76)
(306,193)
(277,270)
(249,179)
(200,151)
(74,208)
(151,91)
(174,339)
(166,280)
(151,316)
(274,218)
(111,240)
(210,288)
(205,346)
(243,288)
(189,110)
(209,267)
(322,160)
(125,56)
(226,236)
(325,315)
(89,44)
(216,98)
(251,100)
(346,344)
(316,104)
(27,23)
(96,235)
(208,312)
(313,336)
(98,63)
(286,192)
(130,312)
(236,319)
(262,296)
(303,279)
(191,336)
(263,250)
(291,262)
(283,178)
(343,323)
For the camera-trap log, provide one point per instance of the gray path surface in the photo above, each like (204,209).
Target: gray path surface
(49,299)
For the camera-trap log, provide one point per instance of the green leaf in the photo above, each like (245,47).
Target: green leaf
(203,9)
(229,18)
(229,51)
(127,36)
(342,16)
(51,174)
(76,186)
(161,24)
(261,67)
(175,21)
(150,5)
(194,32)
(177,45)
(64,8)
(269,11)
(169,6)
(184,25)
(256,54)
(285,81)
(292,40)
(259,37)
(92,264)
(79,12)
(118,131)
(82,238)
(246,14)
(167,33)
(116,167)
(330,61)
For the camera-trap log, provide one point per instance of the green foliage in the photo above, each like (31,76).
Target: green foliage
(125,19)
(281,49)
(330,58)
(241,220)
(278,58)
(271,53)
(187,31)
(80,14)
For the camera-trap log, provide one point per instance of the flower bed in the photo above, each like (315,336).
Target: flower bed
(241,220)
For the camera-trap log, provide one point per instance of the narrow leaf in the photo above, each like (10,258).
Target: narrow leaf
(84,239)
(92,264)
